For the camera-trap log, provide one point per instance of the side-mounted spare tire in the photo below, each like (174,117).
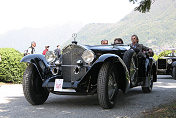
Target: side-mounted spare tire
(107,87)
(127,58)
(34,93)
(130,63)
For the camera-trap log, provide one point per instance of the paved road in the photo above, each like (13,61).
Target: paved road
(132,104)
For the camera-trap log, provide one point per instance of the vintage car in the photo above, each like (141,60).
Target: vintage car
(166,64)
(88,70)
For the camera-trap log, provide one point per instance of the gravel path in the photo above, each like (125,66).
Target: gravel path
(132,104)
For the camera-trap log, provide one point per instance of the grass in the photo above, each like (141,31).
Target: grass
(163,111)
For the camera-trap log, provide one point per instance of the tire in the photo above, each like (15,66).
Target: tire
(148,89)
(128,59)
(33,91)
(174,72)
(107,87)
(154,71)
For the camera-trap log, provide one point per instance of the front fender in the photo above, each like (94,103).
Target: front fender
(110,57)
(39,62)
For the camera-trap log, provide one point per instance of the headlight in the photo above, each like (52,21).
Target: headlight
(88,56)
(50,56)
(169,61)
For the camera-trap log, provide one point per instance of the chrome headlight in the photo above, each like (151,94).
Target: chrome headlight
(169,61)
(88,56)
(50,56)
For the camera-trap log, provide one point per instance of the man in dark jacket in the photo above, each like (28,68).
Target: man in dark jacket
(141,49)
(135,45)
(57,51)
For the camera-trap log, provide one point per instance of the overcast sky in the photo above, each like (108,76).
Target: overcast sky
(18,14)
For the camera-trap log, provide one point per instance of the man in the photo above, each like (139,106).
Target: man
(141,49)
(46,49)
(173,53)
(135,45)
(57,51)
(31,49)
(118,41)
(104,42)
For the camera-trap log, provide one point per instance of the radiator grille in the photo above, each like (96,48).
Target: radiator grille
(162,63)
(71,54)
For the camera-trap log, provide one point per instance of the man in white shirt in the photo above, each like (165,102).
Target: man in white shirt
(31,49)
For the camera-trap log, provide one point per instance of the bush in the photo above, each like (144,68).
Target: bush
(11,70)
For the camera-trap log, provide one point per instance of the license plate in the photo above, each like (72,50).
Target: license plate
(58,84)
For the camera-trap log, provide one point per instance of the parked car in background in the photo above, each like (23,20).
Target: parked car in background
(166,63)
(88,70)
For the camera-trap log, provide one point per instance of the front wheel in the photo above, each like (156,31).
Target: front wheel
(174,72)
(34,93)
(107,88)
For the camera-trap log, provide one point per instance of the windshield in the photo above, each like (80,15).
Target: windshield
(171,55)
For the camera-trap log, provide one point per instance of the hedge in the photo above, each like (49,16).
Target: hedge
(11,70)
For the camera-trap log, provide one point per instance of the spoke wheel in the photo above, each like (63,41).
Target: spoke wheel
(148,89)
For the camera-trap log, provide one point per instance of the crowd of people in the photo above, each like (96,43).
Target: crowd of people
(31,50)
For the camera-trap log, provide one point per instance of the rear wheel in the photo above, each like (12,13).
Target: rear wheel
(107,87)
(34,93)
(149,80)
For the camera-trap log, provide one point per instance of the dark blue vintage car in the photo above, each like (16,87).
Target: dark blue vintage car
(88,70)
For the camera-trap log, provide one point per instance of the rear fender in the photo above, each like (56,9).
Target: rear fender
(39,62)
(105,58)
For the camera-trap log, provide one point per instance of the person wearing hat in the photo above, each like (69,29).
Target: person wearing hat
(57,51)
(46,49)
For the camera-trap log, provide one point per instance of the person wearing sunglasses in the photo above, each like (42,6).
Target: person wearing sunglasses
(140,47)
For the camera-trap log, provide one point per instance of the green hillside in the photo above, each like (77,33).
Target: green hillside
(156,28)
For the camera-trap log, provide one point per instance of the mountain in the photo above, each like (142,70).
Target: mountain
(52,36)
(155,29)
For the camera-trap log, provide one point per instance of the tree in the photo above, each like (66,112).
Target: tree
(144,5)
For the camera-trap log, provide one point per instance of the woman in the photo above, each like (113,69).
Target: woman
(46,49)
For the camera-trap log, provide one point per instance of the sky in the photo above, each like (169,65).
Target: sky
(19,14)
